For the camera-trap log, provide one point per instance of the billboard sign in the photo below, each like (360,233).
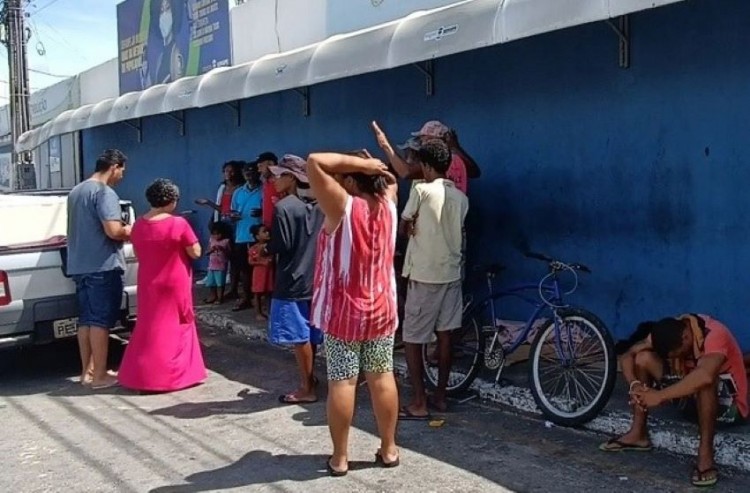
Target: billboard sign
(163,40)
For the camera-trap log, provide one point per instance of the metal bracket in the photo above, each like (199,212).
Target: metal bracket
(179,119)
(137,126)
(305,93)
(428,69)
(236,108)
(622,29)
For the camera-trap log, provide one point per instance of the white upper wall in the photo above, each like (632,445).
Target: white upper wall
(262,27)
(100,82)
(45,104)
(344,16)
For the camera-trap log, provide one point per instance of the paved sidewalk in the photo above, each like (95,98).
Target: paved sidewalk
(669,430)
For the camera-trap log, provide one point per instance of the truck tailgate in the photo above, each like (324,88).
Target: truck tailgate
(40,289)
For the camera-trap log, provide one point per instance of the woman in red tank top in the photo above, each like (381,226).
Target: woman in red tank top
(222,207)
(233,179)
(354,294)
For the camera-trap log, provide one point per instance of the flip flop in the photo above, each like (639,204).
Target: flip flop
(615,445)
(699,478)
(405,415)
(107,385)
(333,472)
(382,463)
(292,399)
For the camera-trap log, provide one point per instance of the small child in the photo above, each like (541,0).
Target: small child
(262,284)
(218,257)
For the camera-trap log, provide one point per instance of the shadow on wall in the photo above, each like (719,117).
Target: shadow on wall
(638,173)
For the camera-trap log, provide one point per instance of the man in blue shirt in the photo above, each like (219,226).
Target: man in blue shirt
(247,202)
(96,262)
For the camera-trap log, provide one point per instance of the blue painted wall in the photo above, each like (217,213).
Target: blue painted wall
(640,173)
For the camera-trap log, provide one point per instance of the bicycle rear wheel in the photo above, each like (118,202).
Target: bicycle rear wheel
(467,350)
(573,370)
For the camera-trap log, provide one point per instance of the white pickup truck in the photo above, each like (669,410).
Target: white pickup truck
(37,298)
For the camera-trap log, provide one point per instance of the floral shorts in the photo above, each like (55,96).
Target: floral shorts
(345,359)
(727,414)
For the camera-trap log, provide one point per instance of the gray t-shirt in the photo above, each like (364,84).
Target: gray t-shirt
(89,248)
(296,224)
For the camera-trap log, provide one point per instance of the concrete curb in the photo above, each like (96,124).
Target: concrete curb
(732,449)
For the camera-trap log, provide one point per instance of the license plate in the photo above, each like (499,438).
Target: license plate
(65,328)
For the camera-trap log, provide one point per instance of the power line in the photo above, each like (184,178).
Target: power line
(42,72)
(40,48)
(50,3)
(61,38)
(7,83)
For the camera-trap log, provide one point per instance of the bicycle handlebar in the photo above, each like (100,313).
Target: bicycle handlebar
(556,265)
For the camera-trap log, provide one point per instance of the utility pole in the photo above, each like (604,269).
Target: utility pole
(15,38)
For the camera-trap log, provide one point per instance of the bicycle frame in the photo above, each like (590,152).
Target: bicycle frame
(548,298)
(579,336)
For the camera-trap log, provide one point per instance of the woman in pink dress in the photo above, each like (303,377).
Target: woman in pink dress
(164,353)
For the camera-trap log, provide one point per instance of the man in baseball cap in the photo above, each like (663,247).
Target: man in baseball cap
(295,227)
(462,165)
(433,129)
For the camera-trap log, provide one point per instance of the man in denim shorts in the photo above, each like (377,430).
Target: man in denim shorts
(96,261)
(296,224)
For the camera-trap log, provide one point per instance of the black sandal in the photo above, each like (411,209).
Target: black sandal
(382,463)
(333,472)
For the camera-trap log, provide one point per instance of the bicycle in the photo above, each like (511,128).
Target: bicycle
(572,347)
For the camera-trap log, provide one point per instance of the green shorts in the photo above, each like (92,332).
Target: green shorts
(345,359)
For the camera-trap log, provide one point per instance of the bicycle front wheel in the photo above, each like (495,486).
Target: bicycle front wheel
(573,367)
(467,355)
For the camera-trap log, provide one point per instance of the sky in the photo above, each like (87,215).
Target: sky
(73,35)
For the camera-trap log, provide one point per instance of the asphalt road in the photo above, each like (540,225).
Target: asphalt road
(231,434)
